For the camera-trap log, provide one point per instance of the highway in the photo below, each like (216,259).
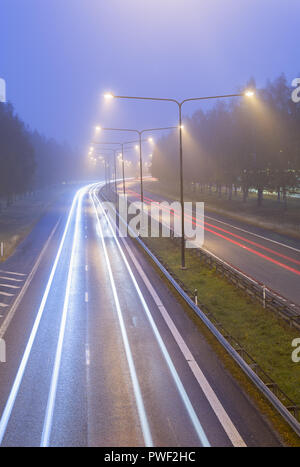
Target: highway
(100,353)
(270,258)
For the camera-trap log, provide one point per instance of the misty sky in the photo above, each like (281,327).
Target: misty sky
(59,56)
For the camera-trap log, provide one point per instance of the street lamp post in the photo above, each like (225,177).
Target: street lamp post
(113,151)
(180,104)
(140,134)
(122,146)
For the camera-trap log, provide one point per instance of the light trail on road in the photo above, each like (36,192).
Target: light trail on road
(251,250)
(20,373)
(52,396)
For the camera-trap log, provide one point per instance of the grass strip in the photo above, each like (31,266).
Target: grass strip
(265,336)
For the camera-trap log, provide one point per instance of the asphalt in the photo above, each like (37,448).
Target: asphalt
(78,386)
(268,257)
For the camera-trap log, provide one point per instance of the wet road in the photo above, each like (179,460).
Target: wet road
(269,258)
(100,353)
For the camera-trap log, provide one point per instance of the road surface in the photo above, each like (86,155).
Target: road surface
(100,353)
(270,258)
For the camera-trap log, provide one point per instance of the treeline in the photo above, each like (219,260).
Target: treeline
(250,143)
(29,161)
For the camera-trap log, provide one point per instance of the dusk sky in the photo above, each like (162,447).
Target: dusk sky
(58,57)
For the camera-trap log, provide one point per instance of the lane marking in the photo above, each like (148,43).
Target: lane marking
(237,228)
(86,268)
(10,286)
(211,396)
(17,302)
(250,250)
(47,428)
(86,297)
(5,294)
(20,373)
(186,401)
(134,379)
(14,273)
(11,279)
(87,355)
(3,305)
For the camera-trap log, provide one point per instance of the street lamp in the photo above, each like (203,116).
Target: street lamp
(112,151)
(247,93)
(140,134)
(122,145)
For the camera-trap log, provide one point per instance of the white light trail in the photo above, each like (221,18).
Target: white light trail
(136,387)
(190,410)
(20,373)
(45,440)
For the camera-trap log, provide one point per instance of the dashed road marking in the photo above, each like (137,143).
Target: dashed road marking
(13,273)
(10,286)
(11,279)
(5,294)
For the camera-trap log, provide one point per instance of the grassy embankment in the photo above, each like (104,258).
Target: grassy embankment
(266,337)
(17,220)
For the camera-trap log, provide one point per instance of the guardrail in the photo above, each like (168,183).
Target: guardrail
(257,291)
(284,405)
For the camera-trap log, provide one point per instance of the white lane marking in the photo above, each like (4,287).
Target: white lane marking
(11,279)
(250,233)
(3,305)
(256,235)
(86,268)
(13,273)
(87,355)
(5,294)
(185,398)
(10,286)
(86,297)
(135,383)
(211,396)
(46,434)
(18,379)
(16,303)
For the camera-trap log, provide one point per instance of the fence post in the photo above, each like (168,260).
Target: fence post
(264,296)
(196,297)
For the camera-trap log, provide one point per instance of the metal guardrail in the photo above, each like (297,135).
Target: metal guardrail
(257,291)
(279,400)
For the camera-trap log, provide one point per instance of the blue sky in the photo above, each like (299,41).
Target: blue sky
(59,56)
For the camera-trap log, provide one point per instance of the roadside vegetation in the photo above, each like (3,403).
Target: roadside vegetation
(29,161)
(266,337)
(18,219)
(33,170)
(236,152)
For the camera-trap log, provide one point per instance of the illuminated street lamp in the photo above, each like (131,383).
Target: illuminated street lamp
(140,134)
(122,146)
(247,93)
